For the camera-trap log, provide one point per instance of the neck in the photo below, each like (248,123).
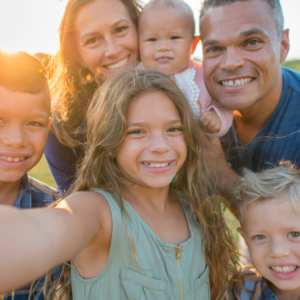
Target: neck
(9,192)
(148,198)
(285,295)
(248,122)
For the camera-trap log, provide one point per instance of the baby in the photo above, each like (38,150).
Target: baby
(269,209)
(167,41)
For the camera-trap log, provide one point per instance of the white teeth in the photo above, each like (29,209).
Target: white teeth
(284,269)
(156,165)
(118,65)
(10,159)
(237,82)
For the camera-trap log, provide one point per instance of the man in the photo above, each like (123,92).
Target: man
(243,46)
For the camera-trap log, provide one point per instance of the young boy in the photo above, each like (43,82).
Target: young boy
(167,41)
(269,208)
(24,125)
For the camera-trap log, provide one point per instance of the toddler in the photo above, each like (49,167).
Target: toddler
(167,41)
(269,211)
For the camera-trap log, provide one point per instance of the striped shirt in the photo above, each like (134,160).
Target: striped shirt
(255,286)
(33,194)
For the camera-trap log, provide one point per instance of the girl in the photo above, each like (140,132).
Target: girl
(168,238)
(97,38)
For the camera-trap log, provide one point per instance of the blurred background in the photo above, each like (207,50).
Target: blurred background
(31,26)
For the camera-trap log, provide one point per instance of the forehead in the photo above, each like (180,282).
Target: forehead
(19,104)
(275,214)
(152,107)
(229,21)
(100,13)
(170,18)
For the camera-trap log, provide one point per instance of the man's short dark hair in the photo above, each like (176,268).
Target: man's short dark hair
(275,10)
(21,72)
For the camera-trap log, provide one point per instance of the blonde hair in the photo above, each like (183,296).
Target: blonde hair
(106,129)
(277,182)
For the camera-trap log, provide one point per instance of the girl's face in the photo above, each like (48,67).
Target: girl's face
(154,148)
(106,38)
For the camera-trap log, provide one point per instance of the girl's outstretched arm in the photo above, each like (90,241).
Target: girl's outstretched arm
(34,241)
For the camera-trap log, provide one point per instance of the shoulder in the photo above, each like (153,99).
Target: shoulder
(251,283)
(291,79)
(42,194)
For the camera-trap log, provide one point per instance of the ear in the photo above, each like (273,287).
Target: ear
(49,123)
(195,43)
(284,45)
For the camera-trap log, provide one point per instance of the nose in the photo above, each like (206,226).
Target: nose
(112,47)
(163,46)
(279,249)
(158,143)
(14,137)
(232,60)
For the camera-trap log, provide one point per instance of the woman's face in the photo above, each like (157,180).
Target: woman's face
(106,38)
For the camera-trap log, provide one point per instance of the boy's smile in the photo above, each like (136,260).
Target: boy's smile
(271,229)
(24,122)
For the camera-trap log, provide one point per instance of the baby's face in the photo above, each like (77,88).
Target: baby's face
(165,39)
(271,229)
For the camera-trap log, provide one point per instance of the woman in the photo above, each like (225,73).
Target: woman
(97,38)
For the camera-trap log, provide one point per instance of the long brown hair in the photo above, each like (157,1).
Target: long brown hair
(106,129)
(71,85)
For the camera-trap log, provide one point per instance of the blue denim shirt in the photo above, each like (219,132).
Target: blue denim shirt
(33,194)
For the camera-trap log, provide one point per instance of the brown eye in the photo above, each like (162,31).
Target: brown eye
(259,237)
(295,234)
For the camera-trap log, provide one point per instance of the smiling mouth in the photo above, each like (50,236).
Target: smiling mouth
(237,82)
(156,165)
(287,269)
(12,159)
(118,64)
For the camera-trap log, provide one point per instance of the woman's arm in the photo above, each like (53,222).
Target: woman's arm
(34,241)
(62,161)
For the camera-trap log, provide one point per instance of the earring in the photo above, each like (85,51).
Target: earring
(174,178)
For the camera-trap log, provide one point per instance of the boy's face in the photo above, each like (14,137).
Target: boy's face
(166,39)
(271,229)
(24,124)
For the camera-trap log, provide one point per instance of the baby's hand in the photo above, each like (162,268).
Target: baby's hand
(210,121)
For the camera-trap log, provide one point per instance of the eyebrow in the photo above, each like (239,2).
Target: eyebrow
(242,34)
(113,25)
(171,122)
(252,31)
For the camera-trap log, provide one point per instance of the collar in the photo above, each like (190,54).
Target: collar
(267,294)
(24,199)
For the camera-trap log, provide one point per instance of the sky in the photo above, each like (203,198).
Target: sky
(31,25)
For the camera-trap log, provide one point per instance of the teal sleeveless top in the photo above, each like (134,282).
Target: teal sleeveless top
(141,266)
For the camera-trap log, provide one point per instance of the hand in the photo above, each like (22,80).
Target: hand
(210,121)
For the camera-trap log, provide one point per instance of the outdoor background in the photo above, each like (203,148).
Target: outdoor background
(31,26)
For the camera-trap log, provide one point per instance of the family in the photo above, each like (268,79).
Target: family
(140,141)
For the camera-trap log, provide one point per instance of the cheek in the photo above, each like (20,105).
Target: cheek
(38,140)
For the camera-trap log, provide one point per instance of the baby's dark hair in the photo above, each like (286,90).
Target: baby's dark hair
(173,3)
(22,72)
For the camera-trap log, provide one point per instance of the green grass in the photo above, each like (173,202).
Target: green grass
(42,173)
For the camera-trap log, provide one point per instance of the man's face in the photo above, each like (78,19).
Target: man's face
(242,53)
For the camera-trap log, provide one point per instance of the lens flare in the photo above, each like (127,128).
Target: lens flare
(211,211)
